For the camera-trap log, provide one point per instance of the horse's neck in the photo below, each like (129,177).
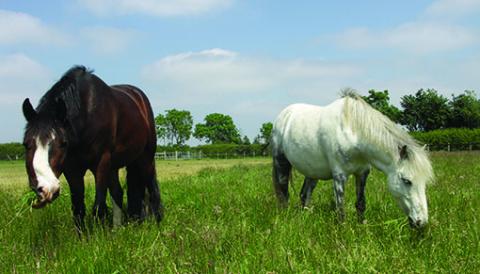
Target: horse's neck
(380,159)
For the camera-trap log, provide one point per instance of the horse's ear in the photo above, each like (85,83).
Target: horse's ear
(28,110)
(403,151)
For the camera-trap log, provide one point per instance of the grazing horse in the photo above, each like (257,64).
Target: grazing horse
(348,137)
(83,124)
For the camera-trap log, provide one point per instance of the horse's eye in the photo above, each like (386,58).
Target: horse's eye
(63,144)
(407,182)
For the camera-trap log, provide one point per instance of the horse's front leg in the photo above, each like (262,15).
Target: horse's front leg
(339,180)
(360,182)
(103,178)
(75,181)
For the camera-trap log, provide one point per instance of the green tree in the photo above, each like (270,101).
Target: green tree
(218,128)
(426,110)
(265,133)
(380,100)
(257,140)
(245,140)
(175,126)
(465,111)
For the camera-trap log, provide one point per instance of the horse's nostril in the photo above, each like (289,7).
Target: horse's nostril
(39,190)
(418,223)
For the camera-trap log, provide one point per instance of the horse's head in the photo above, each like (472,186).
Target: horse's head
(45,144)
(407,184)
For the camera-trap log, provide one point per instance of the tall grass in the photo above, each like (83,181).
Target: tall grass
(227,220)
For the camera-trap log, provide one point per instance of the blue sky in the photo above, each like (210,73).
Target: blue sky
(247,59)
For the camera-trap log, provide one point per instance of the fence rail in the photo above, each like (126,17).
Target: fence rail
(190,155)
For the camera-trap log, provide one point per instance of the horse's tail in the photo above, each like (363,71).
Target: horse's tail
(155,201)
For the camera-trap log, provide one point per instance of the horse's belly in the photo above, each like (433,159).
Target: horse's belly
(312,165)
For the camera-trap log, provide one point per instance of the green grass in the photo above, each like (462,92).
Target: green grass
(226,219)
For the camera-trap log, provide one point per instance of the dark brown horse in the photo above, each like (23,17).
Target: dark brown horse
(83,124)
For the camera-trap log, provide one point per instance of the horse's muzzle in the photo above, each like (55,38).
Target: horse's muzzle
(44,197)
(417,224)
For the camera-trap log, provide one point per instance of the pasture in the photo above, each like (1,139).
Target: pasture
(222,217)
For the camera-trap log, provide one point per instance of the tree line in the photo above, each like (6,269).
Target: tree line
(424,111)
(175,128)
(427,110)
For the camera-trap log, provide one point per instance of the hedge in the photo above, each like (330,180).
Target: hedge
(232,149)
(12,151)
(457,138)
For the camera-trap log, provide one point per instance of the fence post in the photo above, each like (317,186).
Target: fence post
(470,146)
(176,155)
(448,147)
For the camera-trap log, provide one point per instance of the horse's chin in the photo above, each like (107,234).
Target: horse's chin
(42,201)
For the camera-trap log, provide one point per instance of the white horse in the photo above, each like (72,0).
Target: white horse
(347,137)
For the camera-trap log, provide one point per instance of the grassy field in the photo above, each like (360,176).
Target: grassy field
(222,217)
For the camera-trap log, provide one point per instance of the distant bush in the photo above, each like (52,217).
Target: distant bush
(231,149)
(12,151)
(458,138)
(183,148)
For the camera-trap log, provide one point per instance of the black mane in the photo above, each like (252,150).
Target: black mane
(64,96)
(64,91)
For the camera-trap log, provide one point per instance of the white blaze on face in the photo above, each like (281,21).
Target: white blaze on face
(45,177)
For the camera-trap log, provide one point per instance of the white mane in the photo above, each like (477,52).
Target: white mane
(377,129)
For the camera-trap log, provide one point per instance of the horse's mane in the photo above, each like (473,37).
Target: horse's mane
(378,129)
(65,90)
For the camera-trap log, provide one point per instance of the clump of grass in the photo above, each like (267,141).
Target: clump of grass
(27,199)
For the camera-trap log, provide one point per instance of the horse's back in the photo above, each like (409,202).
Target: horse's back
(306,135)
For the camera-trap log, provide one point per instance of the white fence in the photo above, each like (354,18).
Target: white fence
(189,155)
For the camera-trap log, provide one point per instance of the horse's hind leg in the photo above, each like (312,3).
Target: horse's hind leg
(309,185)
(135,192)
(281,175)
(360,182)
(116,195)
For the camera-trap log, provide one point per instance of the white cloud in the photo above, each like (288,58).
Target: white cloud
(19,27)
(453,8)
(250,88)
(108,40)
(417,37)
(218,71)
(154,7)
(21,76)
(432,32)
